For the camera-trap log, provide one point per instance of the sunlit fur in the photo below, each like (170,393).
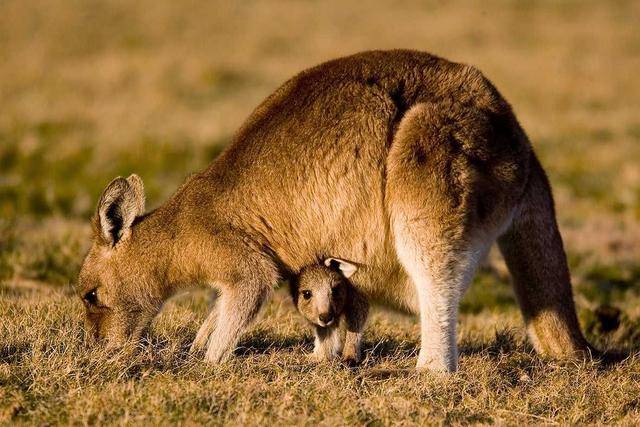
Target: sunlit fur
(405,163)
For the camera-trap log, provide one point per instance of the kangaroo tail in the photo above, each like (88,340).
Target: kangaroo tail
(534,253)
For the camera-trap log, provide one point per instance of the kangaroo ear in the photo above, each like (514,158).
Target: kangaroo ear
(121,202)
(346,268)
(135,182)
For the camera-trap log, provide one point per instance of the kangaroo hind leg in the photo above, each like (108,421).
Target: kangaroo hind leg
(451,187)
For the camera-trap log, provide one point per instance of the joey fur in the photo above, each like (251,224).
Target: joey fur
(405,163)
(325,297)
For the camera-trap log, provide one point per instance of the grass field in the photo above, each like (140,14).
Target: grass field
(91,90)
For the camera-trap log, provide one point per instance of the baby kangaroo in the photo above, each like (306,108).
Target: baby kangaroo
(325,297)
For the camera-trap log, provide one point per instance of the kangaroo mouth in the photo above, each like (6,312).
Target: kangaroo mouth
(323,324)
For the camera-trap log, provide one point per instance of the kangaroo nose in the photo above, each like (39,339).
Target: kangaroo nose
(326,317)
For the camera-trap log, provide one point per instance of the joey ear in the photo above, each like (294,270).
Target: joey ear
(121,202)
(345,267)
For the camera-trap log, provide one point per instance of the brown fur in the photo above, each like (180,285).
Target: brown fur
(322,292)
(406,163)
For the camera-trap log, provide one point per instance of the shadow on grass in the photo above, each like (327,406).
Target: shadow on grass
(266,342)
(14,353)
(504,342)
(163,353)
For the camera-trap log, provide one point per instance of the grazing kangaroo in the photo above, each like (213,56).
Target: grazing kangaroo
(324,295)
(406,163)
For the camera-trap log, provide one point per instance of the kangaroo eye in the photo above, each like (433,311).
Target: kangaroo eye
(334,291)
(306,294)
(91,297)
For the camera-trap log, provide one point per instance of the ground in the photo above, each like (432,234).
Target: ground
(91,90)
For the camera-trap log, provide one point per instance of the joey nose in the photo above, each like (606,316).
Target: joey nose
(326,318)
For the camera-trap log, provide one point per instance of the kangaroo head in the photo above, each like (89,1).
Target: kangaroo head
(117,284)
(320,291)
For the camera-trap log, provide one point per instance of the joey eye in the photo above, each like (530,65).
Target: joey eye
(91,297)
(306,294)
(334,291)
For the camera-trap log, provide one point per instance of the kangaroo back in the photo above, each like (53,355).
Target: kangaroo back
(533,250)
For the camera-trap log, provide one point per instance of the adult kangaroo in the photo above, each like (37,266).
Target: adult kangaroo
(405,164)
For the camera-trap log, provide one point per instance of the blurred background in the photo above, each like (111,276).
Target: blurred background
(94,89)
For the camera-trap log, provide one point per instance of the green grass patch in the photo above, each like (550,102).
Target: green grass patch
(55,176)
(487,291)
(7,249)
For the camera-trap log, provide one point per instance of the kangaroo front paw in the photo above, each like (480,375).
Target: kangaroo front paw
(321,355)
(198,345)
(316,358)
(350,361)
(352,353)
(351,356)
(217,354)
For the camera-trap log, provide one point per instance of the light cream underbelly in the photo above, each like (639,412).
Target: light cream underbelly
(384,280)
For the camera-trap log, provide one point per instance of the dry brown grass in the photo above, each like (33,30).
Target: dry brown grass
(89,90)
(48,376)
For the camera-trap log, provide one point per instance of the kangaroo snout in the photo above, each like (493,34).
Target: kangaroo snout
(326,319)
